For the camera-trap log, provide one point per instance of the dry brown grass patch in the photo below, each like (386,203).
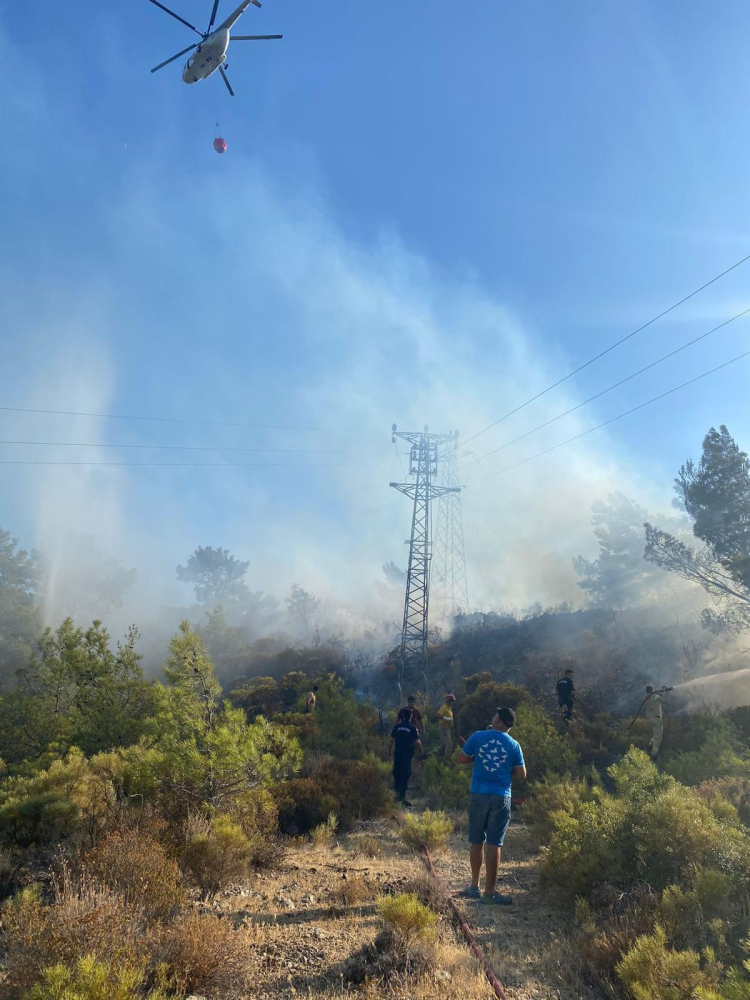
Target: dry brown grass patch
(139,869)
(84,918)
(353,889)
(204,954)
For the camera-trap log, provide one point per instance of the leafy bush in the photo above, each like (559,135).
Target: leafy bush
(720,755)
(84,919)
(303,804)
(686,914)
(636,777)
(74,799)
(201,953)
(217,854)
(554,794)
(477,708)
(677,833)
(428,829)
(134,865)
(545,750)
(607,934)
(354,790)
(405,914)
(446,785)
(595,839)
(90,979)
(734,790)
(258,815)
(323,833)
(651,971)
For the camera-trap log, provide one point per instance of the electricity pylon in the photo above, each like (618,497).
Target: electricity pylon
(449,587)
(423,466)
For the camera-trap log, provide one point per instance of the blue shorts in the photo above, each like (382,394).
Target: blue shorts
(489,816)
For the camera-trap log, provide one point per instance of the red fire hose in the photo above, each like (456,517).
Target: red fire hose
(471,940)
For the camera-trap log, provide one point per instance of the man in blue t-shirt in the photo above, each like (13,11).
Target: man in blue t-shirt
(497,759)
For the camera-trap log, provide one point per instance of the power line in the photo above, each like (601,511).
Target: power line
(206,465)
(611,420)
(607,350)
(186,447)
(608,389)
(168,420)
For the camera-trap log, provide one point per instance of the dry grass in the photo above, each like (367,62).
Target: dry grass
(134,865)
(203,954)
(353,889)
(367,846)
(83,919)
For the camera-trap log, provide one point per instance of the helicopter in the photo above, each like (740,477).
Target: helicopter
(210,52)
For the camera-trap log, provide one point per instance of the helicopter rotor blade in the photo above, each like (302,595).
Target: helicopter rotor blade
(181,19)
(253,38)
(213,17)
(226,81)
(172,59)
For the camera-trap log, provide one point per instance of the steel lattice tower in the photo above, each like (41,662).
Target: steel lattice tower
(423,466)
(450,589)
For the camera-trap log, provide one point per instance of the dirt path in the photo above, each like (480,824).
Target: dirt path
(529,943)
(308,921)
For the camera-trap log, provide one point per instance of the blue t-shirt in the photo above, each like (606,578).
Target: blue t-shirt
(495,755)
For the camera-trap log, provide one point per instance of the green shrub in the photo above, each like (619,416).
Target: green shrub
(323,833)
(555,794)
(428,829)
(637,778)
(720,755)
(134,865)
(477,708)
(676,833)
(446,785)
(74,799)
(90,979)
(734,790)
(257,813)
(303,804)
(686,913)
(217,854)
(592,843)
(545,750)
(405,914)
(353,789)
(651,971)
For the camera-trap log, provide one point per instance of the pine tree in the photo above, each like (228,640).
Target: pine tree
(716,495)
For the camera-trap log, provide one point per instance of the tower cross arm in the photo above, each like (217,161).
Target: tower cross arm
(435,491)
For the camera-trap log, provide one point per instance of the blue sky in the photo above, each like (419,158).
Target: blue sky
(426,214)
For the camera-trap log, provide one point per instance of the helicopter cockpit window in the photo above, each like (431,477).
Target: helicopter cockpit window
(191,62)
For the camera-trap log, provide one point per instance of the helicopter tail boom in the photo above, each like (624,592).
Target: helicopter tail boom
(237,14)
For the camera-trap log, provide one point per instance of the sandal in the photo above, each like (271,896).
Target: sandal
(496,899)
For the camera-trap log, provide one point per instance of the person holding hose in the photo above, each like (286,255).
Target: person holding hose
(497,759)
(655,719)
